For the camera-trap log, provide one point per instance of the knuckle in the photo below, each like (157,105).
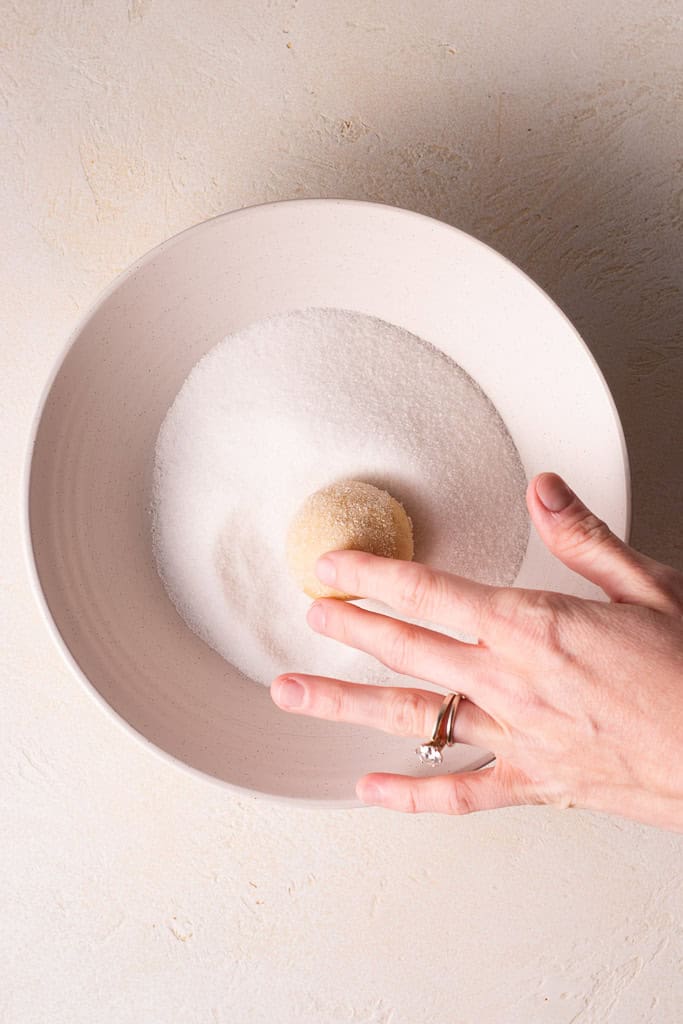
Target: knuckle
(416,590)
(459,798)
(503,604)
(585,533)
(543,618)
(340,622)
(409,803)
(357,570)
(333,704)
(534,615)
(397,648)
(407,713)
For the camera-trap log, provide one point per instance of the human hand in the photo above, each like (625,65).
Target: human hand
(581,701)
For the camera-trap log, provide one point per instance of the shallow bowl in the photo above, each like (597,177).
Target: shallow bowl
(89,471)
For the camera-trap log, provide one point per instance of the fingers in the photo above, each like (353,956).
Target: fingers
(586,544)
(464,793)
(413,590)
(405,648)
(395,710)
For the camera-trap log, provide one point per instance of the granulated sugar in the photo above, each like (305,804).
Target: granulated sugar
(295,403)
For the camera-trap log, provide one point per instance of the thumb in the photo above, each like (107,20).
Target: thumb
(461,793)
(587,545)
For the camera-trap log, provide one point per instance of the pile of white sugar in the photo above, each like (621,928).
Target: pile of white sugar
(290,405)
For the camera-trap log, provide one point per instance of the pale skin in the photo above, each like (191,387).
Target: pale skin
(581,701)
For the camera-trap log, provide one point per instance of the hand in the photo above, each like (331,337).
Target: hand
(581,701)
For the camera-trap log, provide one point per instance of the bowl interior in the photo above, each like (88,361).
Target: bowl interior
(89,484)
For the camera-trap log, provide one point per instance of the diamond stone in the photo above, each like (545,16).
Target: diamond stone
(429,754)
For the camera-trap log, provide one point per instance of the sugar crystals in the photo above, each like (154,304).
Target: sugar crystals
(287,406)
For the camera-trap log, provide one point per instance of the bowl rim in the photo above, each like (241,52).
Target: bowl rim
(27,463)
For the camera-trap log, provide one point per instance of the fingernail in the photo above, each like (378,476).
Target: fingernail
(369,793)
(326,570)
(316,617)
(553,492)
(290,694)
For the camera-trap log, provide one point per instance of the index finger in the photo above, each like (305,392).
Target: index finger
(414,590)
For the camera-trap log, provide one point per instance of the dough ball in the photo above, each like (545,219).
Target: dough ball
(345,516)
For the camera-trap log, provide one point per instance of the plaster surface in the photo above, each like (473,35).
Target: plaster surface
(131,892)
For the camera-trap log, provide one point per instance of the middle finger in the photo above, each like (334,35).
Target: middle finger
(406,648)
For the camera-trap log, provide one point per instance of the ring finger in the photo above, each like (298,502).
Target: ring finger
(403,712)
(407,649)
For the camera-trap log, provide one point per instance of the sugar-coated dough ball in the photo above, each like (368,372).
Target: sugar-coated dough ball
(345,516)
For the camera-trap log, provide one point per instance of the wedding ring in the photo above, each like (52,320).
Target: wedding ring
(431,752)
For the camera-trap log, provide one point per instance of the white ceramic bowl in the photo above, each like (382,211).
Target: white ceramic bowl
(88,481)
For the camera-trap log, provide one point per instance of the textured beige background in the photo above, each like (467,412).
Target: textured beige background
(551,130)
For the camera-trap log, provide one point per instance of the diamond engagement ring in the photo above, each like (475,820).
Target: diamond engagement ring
(431,752)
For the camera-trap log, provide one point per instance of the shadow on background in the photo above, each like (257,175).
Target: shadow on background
(585,215)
